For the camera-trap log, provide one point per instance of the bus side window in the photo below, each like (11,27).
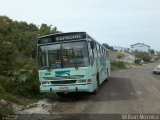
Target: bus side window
(100,51)
(91,54)
(95,51)
(103,53)
(107,55)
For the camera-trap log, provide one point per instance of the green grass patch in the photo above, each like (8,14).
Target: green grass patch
(13,99)
(6,109)
(118,65)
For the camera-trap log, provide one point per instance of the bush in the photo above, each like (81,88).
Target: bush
(24,81)
(27,80)
(6,109)
(143,56)
(2,90)
(6,57)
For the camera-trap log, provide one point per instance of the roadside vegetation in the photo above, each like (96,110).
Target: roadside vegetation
(118,65)
(143,56)
(18,71)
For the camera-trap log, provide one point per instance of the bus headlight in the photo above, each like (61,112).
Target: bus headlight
(81,81)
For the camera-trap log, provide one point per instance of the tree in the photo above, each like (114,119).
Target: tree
(45,29)
(5,25)
(143,56)
(152,52)
(107,46)
(16,41)
(16,65)
(7,56)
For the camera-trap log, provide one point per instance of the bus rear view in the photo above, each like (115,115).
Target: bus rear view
(65,64)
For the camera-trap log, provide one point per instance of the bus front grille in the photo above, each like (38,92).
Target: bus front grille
(64,82)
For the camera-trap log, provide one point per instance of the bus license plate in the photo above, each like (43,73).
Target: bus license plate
(63,88)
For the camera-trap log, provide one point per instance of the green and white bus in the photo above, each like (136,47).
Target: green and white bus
(71,62)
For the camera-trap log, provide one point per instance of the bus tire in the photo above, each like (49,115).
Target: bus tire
(96,90)
(106,80)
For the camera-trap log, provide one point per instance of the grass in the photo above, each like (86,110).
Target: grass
(17,93)
(118,65)
(8,96)
(11,98)
(6,109)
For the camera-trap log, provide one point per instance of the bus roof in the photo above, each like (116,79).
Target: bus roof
(65,37)
(44,36)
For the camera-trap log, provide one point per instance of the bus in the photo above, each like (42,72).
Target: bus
(71,62)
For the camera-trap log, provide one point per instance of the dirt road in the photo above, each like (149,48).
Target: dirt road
(132,90)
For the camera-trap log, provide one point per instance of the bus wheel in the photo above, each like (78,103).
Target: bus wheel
(106,80)
(96,90)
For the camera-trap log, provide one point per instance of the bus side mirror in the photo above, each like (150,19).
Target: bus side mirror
(92,44)
(34,52)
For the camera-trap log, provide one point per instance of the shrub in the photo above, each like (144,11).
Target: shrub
(24,81)
(27,80)
(6,109)
(2,90)
(6,57)
(143,56)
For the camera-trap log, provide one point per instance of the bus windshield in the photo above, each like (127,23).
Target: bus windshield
(64,55)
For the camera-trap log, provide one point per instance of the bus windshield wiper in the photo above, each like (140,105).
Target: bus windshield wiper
(49,67)
(75,60)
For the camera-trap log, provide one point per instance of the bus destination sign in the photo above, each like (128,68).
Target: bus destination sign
(62,37)
(69,37)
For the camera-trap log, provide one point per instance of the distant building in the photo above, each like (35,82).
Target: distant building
(120,48)
(140,47)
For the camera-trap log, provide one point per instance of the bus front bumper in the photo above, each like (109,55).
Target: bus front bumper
(66,88)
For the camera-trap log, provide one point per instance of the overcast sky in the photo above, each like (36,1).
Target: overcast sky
(115,22)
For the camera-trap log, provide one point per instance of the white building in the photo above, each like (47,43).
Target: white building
(140,47)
